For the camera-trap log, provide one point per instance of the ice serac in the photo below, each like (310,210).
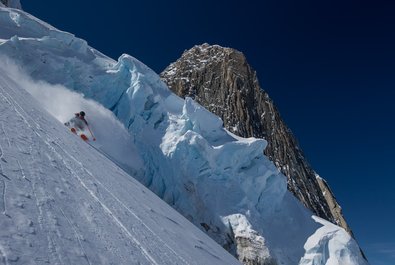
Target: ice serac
(222,183)
(221,80)
(328,245)
(11,3)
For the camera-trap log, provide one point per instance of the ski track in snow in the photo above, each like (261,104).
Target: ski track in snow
(2,172)
(112,215)
(109,212)
(53,248)
(170,257)
(126,208)
(1,152)
(22,171)
(2,159)
(3,256)
(3,184)
(5,135)
(1,167)
(44,223)
(78,236)
(3,197)
(50,230)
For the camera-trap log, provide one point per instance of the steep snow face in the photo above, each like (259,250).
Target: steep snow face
(62,202)
(220,182)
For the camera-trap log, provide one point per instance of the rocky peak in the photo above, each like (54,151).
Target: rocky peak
(221,80)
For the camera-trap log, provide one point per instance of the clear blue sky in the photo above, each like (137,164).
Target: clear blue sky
(328,65)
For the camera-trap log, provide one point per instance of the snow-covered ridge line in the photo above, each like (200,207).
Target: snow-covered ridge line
(220,182)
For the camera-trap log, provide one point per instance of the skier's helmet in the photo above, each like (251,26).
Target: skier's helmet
(82,114)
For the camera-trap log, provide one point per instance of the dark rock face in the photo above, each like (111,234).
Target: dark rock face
(221,80)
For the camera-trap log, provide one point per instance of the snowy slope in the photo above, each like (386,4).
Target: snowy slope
(220,182)
(62,202)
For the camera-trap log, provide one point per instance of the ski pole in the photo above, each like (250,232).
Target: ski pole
(94,139)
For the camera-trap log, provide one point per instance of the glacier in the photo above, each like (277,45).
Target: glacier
(220,182)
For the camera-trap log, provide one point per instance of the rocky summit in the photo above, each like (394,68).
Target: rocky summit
(221,80)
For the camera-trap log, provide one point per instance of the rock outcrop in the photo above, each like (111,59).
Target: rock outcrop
(221,80)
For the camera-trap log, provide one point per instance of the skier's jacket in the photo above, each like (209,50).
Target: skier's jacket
(78,122)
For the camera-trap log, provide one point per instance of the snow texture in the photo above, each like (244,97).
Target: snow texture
(220,182)
(62,202)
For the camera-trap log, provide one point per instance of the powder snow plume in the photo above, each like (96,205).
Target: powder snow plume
(62,103)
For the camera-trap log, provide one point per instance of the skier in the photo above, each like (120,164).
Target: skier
(78,123)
